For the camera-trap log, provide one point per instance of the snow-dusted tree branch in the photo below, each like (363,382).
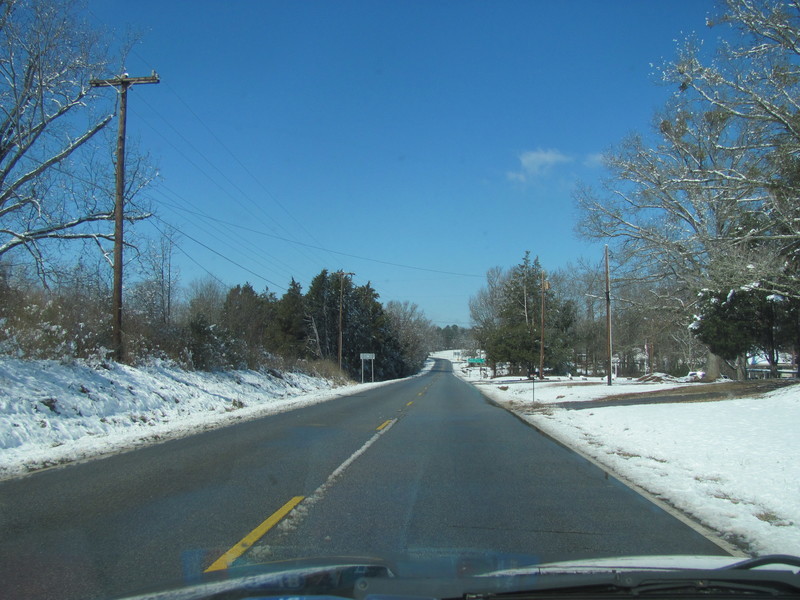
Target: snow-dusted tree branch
(710,199)
(48,121)
(685,205)
(754,80)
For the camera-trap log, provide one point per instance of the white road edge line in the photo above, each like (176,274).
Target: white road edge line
(292,519)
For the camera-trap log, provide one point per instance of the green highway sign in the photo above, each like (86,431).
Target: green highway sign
(476,361)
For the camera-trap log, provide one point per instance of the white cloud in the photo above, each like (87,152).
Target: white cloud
(594,160)
(535,163)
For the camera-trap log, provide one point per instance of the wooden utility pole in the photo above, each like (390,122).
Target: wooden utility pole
(608,319)
(341,310)
(545,287)
(123,82)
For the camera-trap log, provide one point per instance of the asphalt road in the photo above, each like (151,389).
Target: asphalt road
(423,467)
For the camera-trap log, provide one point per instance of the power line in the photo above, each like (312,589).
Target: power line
(245,247)
(154,216)
(189,256)
(277,237)
(221,143)
(230,260)
(226,189)
(260,208)
(96,185)
(240,163)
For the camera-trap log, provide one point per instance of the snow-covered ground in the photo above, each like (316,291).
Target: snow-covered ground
(733,465)
(53,412)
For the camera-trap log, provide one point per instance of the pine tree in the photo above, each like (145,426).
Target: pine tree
(290,315)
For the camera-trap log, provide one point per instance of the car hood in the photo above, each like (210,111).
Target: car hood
(362,578)
(626,563)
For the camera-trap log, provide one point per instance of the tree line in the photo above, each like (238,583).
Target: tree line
(570,336)
(210,327)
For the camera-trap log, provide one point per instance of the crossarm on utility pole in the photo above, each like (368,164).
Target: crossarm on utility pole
(124,80)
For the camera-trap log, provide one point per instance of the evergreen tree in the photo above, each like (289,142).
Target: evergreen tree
(291,334)
(508,320)
(322,308)
(746,320)
(366,327)
(517,339)
(247,316)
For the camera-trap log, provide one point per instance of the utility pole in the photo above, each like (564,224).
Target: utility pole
(123,82)
(545,287)
(608,319)
(341,310)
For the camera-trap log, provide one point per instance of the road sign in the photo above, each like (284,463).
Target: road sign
(476,361)
(370,356)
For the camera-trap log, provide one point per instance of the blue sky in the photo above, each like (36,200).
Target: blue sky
(442,136)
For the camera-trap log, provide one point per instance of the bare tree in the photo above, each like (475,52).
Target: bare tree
(485,310)
(485,306)
(754,82)
(47,58)
(709,202)
(413,329)
(673,209)
(582,283)
(154,294)
(206,298)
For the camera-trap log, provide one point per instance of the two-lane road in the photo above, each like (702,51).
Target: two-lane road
(423,464)
(456,473)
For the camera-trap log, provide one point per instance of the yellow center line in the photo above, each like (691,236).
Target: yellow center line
(384,424)
(224,561)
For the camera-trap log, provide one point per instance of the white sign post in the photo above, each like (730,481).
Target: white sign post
(370,356)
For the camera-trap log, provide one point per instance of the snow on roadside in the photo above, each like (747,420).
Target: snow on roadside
(731,464)
(53,413)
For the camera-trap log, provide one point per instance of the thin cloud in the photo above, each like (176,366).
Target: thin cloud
(594,160)
(535,163)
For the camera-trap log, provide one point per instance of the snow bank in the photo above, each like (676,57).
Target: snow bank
(731,465)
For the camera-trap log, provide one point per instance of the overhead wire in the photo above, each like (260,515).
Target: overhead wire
(230,260)
(187,255)
(269,218)
(374,260)
(244,246)
(224,189)
(240,163)
(200,214)
(96,185)
(272,197)
(259,207)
